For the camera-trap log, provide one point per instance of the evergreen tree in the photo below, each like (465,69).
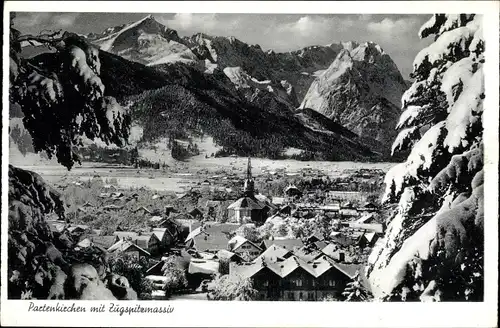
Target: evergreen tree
(63,99)
(354,290)
(433,247)
(235,288)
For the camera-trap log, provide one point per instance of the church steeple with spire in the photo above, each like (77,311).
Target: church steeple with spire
(249,187)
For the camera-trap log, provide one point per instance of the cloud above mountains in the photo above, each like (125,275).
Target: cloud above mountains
(396,34)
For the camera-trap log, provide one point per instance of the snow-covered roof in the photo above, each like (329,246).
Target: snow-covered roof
(366,218)
(274,252)
(193,234)
(291,188)
(225,254)
(78,227)
(154,278)
(203,266)
(247,203)
(84,243)
(283,268)
(278,200)
(307,254)
(142,208)
(236,242)
(369,236)
(160,232)
(125,245)
(155,218)
(289,243)
(376,227)
(125,234)
(57,227)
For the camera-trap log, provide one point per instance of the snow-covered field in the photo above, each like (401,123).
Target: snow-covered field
(181,174)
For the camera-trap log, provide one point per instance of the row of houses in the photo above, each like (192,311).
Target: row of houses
(345,209)
(279,274)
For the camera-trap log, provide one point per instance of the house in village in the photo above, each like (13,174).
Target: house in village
(368,239)
(289,243)
(374,227)
(166,238)
(341,239)
(128,247)
(244,248)
(147,241)
(342,195)
(347,209)
(195,213)
(335,251)
(141,210)
(279,274)
(112,207)
(78,229)
(170,209)
(155,219)
(278,201)
(211,237)
(104,241)
(125,234)
(230,256)
(292,192)
(368,208)
(314,237)
(174,227)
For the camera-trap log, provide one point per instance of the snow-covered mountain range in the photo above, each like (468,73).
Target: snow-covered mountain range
(345,91)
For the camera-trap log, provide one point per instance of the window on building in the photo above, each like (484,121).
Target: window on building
(298,282)
(310,296)
(314,283)
(331,283)
(266,283)
(291,296)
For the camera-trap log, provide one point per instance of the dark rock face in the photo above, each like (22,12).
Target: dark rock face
(362,91)
(42,265)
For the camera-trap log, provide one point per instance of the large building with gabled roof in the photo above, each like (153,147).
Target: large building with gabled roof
(249,208)
(283,275)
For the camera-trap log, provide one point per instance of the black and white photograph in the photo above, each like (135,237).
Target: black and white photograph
(256,157)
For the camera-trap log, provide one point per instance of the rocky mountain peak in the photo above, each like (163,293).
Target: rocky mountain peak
(344,55)
(361,90)
(349,45)
(372,53)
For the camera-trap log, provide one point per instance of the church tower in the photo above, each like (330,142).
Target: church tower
(249,187)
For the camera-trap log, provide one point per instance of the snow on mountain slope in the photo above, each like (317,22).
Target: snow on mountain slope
(148,42)
(361,90)
(250,85)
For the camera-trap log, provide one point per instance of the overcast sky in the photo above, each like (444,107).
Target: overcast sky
(396,34)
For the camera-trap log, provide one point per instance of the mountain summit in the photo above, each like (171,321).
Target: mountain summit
(360,90)
(334,102)
(146,41)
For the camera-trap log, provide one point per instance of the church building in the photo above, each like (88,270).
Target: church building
(248,208)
